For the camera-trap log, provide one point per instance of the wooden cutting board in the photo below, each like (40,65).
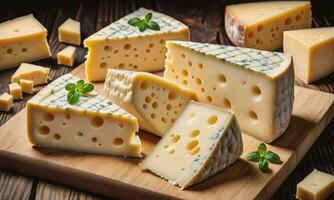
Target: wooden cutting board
(122,178)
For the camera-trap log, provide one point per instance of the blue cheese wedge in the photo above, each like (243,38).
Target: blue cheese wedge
(122,46)
(93,125)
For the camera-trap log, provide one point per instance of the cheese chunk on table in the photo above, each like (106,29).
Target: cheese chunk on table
(6,102)
(67,56)
(37,74)
(203,141)
(312,51)
(260,25)
(69,32)
(122,46)
(93,125)
(258,86)
(27,86)
(316,186)
(154,101)
(22,40)
(15,90)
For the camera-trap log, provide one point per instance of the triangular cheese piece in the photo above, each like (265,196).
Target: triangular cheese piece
(35,73)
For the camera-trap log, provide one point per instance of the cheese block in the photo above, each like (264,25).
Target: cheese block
(15,90)
(67,56)
(203,141)
(69,32)
(260,25)
(312,51)
(22,40)
(27,86)
(316,186)
(93,125)
(37,74)
(154,101)
(6,102)
(256,85)
(123,46)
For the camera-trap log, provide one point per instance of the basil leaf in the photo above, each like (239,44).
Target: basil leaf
(148,17)
(153,25)
(263,165)
(73,97)
(142,27)
(253,156)
(87,88)
(262,149)
(80,84)
(273,157)
(70,87)
(134,21)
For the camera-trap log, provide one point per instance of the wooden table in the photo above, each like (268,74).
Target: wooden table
(206,22)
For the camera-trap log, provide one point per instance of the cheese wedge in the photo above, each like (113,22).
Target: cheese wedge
(122,46)
(256,85)
(22,40)
(154,101)
(93,125)
(260,25)
(312,51)
(15,90)
(67,56)
(69,32)
(6,102)
(27,86)
(203,141)
(37,74)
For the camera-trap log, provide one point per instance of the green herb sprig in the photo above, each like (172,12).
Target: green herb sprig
(145,23)
(263,157)
(77,90)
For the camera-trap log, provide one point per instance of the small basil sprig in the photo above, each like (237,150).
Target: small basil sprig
(77,90)
(142,24)
(264,157)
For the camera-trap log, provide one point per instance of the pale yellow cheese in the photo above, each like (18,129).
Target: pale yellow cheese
(312,51)
(27,86)
(69,32)
(22,40)
(260,25)
(67,56)
(15,90)
(6,102)
(316,186)
(37,74)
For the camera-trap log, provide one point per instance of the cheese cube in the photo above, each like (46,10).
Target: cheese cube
(93,125)
(154,101)
(69,32)
(22,40)
(27,86)
(6,102)
(37,74)
(123,46)
(67,56)
(260,25)
(203,141)
(316,186)
(15,90)
(312,51)
(258,86)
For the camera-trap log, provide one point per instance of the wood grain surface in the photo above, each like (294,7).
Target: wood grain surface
(205,21)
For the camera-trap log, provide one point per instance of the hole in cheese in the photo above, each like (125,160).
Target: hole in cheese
(192,144)
(222,78)
(103,65)
(148,99)
(260,27)
(287,21)
(152,94)
(175,137)
(195,150)
(56,136)
(94,139)
(163,120)
(212,120)
(9,51)
(151,45)
(121,65)
(189,63)
(226,103)
(200,65)
(120,125)
(185,82)
(256,90)
(127,46)
(48,117)
(24,50)
(182,55)
(252,115)
(107,48)
(184,72)
(169,107)
(171,151)
(16,30)
(44,130)
(166,146)
(250,34)
(194,133)
(162,41)
(144,106)
(67,116)
(153,115)
(198,81)
(135,66)
(118,141)
(209,98)
(148,51)
(116,51)
(298,17)
(155,105)
(143,85)
(172,95)
(96,122)
(80,134)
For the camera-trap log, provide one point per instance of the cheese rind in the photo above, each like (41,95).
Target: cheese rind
(312,51)
(93,125)
(27,86)
(37,74)
(22,40)
(122,46)
(256,85)
(6,102)
(69,32)
(67,56)
(15,90)
(203,141)
(260,25)
(154,101)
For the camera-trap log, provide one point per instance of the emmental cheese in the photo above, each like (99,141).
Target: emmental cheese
(312,51)
(69,32)
(260,25)
(203,141)
(6,102)
(93,125)
(123,46)
(154,101)
(15,90)
(37,74)
(258,86)
(22,40)
(67,56)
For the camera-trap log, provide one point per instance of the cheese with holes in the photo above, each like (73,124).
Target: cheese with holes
(27,86)
(67,56)
(312,51)
(22,40)
(203,141)
(256,85)
(37,74)
(123,46)
(316,186)
(93,125)
(260,25)
(69,32)
(15,90)
(6,102)
(154,101)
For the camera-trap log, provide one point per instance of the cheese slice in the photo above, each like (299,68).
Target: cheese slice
(69,32)
(93,125)
(203,141)
(312,51)
(256,85)
(66,56)
(122,46)
(37,74)
(6,102)
(22,40)
(154,101)
(260,25)
(15,90)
